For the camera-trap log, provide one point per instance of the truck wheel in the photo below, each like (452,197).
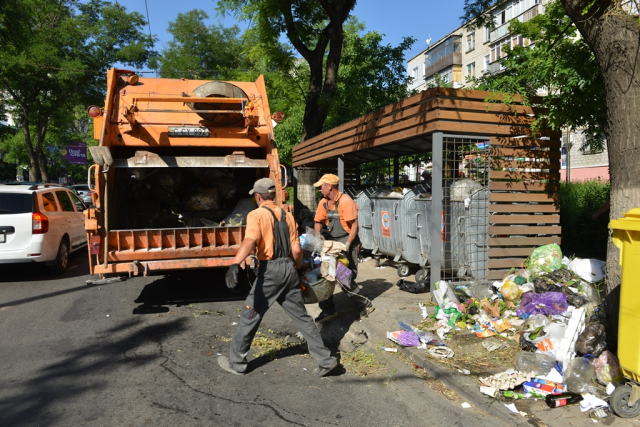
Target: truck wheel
(620,403)
(61,262)
(403,270)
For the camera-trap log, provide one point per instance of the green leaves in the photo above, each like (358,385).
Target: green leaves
(562,66)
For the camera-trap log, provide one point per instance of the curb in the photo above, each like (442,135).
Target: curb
(464,387)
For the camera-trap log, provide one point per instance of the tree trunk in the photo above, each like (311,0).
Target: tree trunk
(306,191)
(614,37)
(34,168)
(43,166)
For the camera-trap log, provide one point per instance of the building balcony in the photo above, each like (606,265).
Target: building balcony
(503,30)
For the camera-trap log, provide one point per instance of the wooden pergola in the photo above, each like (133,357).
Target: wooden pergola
(524,168)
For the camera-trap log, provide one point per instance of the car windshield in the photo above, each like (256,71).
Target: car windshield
(81,187)
(11,203)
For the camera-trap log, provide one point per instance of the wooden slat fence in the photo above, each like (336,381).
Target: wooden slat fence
(524,210)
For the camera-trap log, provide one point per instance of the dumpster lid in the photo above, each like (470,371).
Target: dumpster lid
(631,221)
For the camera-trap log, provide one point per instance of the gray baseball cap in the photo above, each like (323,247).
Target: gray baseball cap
(264,186)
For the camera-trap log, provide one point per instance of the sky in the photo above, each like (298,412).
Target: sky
(419,19)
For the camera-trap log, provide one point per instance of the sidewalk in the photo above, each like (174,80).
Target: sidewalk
(393,305)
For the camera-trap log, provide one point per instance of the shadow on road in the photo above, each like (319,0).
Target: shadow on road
(31,272)
(188,287)
(37,400)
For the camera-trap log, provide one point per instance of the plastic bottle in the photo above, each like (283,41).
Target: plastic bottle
(512,395)
(541,364)
(562,399)
(578,375)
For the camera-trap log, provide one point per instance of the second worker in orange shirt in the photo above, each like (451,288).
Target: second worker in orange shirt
(339,213)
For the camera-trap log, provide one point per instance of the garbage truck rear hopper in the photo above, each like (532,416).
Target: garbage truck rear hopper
(173,169)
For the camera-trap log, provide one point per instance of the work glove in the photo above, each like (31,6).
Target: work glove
(232,276)
(346,247)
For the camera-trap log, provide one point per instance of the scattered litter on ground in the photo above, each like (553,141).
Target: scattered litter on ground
(440,352)
(465,405)
(106,281)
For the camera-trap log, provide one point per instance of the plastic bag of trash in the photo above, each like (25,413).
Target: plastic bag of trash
(404,338)
(315,288)
(589,270)
(203,199)
(608,369)
(313,241)
(547,303)
(444,294)
(592,340)
(573,297)
(239,214)
(413,287)
(545,257)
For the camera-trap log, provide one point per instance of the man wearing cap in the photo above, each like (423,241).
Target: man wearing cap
(271,232)
(340,213)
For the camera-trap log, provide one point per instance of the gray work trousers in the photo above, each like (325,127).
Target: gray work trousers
(277,281)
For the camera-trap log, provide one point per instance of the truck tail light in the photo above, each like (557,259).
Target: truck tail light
(40,223)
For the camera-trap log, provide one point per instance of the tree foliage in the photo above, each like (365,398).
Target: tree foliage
(55,55)
(315,30)
(562,65)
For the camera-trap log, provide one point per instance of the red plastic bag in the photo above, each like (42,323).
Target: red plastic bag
(547,303)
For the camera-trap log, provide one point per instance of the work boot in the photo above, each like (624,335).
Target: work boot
(225,364)
(365,310)
(321,372)
(324,316)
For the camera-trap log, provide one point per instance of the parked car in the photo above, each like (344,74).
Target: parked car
(84,192)
(40,223)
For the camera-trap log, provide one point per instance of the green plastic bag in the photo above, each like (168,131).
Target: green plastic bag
(547,258)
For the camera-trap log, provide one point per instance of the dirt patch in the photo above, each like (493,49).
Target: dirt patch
(470,354)
(362,363)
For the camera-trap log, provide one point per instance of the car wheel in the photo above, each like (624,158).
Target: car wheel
(61,263)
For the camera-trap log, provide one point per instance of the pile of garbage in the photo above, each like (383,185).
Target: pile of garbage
(324,264)
(551,308)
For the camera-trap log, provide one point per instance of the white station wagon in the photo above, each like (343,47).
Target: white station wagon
(40,223)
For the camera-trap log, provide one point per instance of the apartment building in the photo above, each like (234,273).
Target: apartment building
(466,53)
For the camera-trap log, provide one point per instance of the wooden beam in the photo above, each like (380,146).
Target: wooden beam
(524,164)
(524,197)
(525,142)
(523,186)
(530,176)
(497,274)
(506,263)
(522,241)
(510,252)
(499,230)
(524,219)
(511,208)
(531,154)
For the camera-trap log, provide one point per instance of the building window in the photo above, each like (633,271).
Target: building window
(471,69)
(414,74)
(471,42)
(487,61)
(503,17)
(487,34)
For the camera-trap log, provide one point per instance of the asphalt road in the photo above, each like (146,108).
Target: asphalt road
(143,352)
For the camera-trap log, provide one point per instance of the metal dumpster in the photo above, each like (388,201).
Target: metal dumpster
(386,226)
(365,217)
(465,231)
(415,214)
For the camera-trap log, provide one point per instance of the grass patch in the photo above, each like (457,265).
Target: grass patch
(362,363)
(273,347)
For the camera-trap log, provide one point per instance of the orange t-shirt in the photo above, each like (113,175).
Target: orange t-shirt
(260,228)
(347,210)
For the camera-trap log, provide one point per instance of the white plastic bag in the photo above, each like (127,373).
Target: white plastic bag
(313,240)
(589,269)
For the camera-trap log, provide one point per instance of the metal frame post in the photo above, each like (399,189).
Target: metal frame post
(341,173)
(436,206)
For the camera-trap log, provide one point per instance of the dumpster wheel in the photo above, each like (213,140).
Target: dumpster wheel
(620,402)
(422,275)
(403,270)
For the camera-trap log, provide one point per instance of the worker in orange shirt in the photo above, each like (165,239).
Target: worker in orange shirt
(339,213)
(271,232)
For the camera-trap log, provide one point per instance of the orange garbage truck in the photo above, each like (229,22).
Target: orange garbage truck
(173,170)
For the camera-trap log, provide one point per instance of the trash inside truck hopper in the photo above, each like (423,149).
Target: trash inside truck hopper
(174,166)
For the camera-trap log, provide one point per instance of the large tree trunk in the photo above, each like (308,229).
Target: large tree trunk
(34,167)
(614,37)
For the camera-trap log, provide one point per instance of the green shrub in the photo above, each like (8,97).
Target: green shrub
(581,235)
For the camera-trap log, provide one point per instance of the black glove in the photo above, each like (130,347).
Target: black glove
(232,276)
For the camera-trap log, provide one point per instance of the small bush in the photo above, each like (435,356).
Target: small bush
(581,235)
